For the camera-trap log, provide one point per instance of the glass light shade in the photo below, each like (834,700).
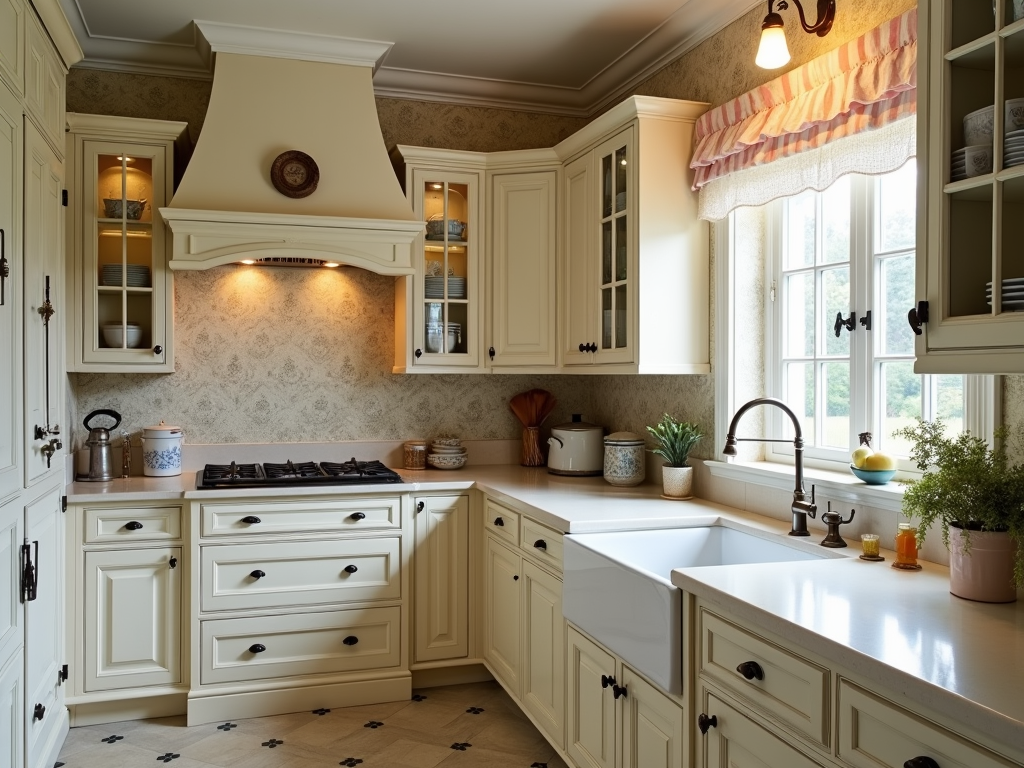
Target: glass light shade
(773,52)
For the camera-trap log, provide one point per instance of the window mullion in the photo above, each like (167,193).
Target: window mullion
(863,395)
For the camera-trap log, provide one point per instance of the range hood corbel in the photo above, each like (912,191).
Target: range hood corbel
(275,91)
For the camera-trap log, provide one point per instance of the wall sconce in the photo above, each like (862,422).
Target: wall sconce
(773,52)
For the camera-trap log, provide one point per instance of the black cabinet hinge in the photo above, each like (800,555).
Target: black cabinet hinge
(63,503)
(64,198)
(62,675)
(29,582)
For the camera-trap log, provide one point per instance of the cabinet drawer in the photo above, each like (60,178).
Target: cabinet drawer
(736,740)
(502,522)
(874,732)
(541,542)
(300,517)
(266,647)
(153,524)
(300,573)
(790,689)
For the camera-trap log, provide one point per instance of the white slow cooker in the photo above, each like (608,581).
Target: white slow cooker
(576,448)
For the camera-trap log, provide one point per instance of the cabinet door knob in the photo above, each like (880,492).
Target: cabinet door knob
(350,569)
(418,353)
(750,670)
(618,690)
(607,681)
(257,574)
(920,762)
(133,525)
(173,562)
(420,506)
(251,520)
(541,544)
(584,347)
(499,522)
(917,316)
(350,640)
(490,352)
(515,578)
(39,712)
(257,648)
(357,515)
(158,350)
(704,722)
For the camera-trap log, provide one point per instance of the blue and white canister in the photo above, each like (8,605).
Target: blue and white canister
(624,459)
(161,450)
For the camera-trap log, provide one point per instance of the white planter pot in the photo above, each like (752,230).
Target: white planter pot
(985,572)
(677,482)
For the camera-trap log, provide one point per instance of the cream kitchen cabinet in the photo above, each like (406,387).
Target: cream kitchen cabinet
(441,579)
(11,435)
(12,45)
(616,719)
(634,280)
(125,569)
(439,310)
(121,172)
(44,82)
(502,612)
(969,229)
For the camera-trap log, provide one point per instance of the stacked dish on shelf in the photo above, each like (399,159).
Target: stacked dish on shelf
(1013,133)
(437,335)
(138,276)
(433,287)
(447,453)
(113,336)
(1012,294)
(975,159)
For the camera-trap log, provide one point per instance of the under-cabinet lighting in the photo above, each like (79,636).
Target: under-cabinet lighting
(331,264)
(437,186)
(248,261)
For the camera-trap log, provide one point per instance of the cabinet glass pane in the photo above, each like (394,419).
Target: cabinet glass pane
(620,316)
(621,244)
(606,253)
(446,267)
(606,318)
(1011,254)
(972,88)
(621,175)
(971,19)
(606,185)
(970,251)
(1013,10)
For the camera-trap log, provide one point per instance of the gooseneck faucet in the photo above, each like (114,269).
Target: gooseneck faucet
(802,506)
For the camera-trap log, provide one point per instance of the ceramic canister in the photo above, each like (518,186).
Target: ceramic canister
(624,458)
(161,450)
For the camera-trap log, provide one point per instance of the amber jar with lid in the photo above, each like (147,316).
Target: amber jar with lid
(906,547)
(414,454)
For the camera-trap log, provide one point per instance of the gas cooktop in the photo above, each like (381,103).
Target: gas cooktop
(351,472)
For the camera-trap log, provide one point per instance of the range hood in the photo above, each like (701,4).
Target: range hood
(275,92)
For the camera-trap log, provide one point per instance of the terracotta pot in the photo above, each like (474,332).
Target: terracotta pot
(985,572)
(677,482)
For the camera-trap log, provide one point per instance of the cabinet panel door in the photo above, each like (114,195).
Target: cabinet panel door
(12,44)
(44,82)
(11,708)
(10,317)
(503,599)
(523,269)
(44,626)
(12,626)
(652,725)
(44,343)
(441,582)
(738,742)
(132,618)
(578,281)
(544,658)
(590,708)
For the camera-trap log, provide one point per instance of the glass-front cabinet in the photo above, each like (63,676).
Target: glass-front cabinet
(970,260)
(123,175)
(438,309)
(615,284)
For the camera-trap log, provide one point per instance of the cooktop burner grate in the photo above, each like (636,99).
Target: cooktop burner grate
(288,469)
(233,471)
(290,473)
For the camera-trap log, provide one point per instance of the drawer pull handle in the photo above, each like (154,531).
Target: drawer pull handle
(541,544)
(607,681)
(257,648)
(704,722)
(357,515)
(133,525)
(750,670)
(499,522)
(350,640)
(257,574)
(350,569)
(251,520)
(920,762)
(619,690)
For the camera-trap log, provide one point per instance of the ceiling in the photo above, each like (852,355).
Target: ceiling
(565,56)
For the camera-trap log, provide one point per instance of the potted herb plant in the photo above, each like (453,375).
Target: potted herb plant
(675,440)
(976,496)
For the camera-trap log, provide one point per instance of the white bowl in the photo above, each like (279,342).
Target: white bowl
(1014,115)
(112,335)
(445,462)
(979,125)
(979,160)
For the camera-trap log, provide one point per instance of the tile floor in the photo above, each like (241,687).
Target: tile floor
(474,725)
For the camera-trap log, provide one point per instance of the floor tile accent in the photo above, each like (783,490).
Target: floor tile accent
(272,743)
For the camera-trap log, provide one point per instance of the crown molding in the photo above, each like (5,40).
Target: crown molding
(60,31)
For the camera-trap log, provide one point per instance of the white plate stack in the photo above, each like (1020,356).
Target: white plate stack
(433,287)
(138,275)
(1012,295)
(1013,148)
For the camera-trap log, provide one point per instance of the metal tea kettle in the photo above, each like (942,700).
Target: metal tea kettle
(101,463)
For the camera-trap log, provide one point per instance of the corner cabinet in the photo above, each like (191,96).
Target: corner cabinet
(635,271)
(121,172)
(969,229)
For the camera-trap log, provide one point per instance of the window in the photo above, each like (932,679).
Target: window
(839,349)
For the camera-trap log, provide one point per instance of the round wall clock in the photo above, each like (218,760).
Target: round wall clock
(294,174)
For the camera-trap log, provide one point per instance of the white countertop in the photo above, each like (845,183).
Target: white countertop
(902,630)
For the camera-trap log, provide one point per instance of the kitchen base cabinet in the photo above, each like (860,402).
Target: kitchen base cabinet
(502,611)
(441,579)
(590,712)
(543,668)
(652,725)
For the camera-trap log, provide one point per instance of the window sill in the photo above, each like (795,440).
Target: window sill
(836,485)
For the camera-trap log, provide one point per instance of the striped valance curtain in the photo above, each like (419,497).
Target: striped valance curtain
(847,111)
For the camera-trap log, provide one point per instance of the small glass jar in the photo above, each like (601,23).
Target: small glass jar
(415,454)
(906,547)
(869,544)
